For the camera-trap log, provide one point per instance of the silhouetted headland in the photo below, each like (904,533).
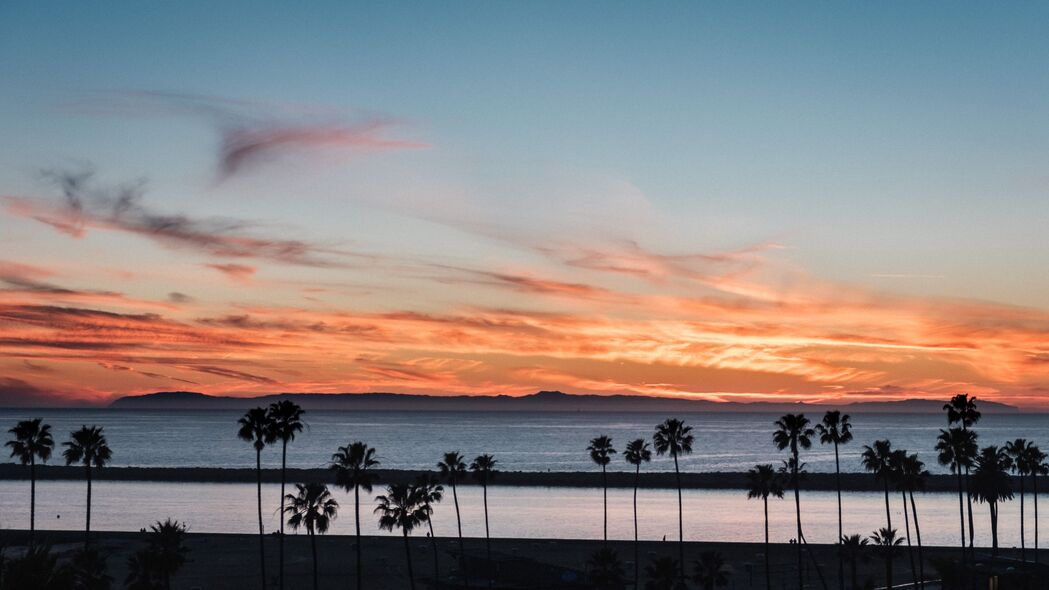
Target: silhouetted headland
(543,401)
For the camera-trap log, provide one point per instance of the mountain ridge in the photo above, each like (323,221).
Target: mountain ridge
(539,401)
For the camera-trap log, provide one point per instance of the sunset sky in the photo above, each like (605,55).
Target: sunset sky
(783,202)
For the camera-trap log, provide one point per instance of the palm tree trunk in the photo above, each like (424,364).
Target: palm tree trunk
(436,560)
(1023,545)
(637,555)
(961,508)
(768,574)
(408,555)
(87,524)
(262,529)
(1034,485)
(841,533)
(921,553)
(462,546)
(680,520)
(888,569)
(604,484)
(855,579)
(357,523)
(313,547)
(969,501)
(487,535)
(32,500)
(888,514)
(910,548)
(797,511)
(283,471)
(992,506)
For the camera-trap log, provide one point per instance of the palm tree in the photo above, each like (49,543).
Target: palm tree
(432,493)
(402,508)
(674,437)
(763,481)
(636,453)
(836,429)
(285,419)
(605,570)
(853,546)
(1019,452)
(793,432)
(662,574)
(312,507)
(910,478)
(956,448)
(483,468)
(1038,467)
(601,452)
(353,465)
(961,409)
(896,462)
(167,549)
(32,440)
(887,544)
(711,571)
(88,447)
(255,427)
(991,484)
(877,459)
(453,469)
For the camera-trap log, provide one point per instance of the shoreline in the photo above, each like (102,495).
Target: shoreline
(850,482)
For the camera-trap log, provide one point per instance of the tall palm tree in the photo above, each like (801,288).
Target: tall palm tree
(312,507)
(956,448)
(1019,452)
(896,461)
(353,465)
(675,438)
(601,452)
(401,507)
(911,478)
(991,484)
(961,409)
(483,468)
(285,419)
(453,469)
(432,493)
(255,427)
(887,544)
(763,481)
(793,432)
(32,440)
(835,429)
(711,571)
(1038,467)
(88,447)
(636,453)
(853,546)
(877,459)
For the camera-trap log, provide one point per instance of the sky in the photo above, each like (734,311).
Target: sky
(728,201)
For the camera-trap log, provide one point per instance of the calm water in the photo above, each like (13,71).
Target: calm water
(520,441)
(526,512)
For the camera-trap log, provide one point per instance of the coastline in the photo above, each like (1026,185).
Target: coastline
(851,482)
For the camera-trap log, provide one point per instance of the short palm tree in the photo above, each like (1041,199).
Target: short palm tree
(88,447)
(877,459)
(1019,452)
(353,465)
(991,484)
(453,469)
(483,468)
(168,545)
(312,507)
(675,438)
(793,432)
(911,478)
(601,452)
(887,543)
(402,507)
(710,570)
(255,427)
(956,449)
(432,493)
(662,573)
(836,429)
(961,409)
(636,453)
(605,570)
(763,481)
(285,419)
(32,440)
(854,547)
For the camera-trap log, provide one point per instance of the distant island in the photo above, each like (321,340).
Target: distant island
(543,401)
